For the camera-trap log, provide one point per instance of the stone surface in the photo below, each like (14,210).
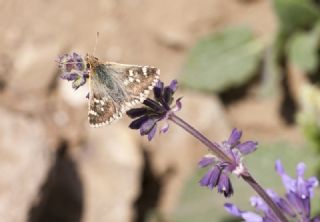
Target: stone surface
(111,168)
(24,159)
(53,165)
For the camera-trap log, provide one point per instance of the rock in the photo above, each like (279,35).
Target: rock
(97,175)
(111,169)
(25,159)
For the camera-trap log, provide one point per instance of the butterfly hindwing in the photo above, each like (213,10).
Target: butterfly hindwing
(115,88)
(102,110)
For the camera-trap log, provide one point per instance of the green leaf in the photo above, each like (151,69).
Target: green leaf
(296,14)
(223,60)
(303,50)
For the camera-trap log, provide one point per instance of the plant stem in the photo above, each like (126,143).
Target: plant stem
(218,152)
(266,198)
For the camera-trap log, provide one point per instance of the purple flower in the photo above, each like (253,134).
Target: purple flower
(295,204)
(73,68)
(219,169)
(159,109)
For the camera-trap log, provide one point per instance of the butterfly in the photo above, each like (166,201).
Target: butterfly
(113,87)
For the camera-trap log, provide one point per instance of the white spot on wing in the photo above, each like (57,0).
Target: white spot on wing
(144,70)
(92,112)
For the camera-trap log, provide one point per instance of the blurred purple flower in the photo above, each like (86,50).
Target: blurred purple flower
(73,68)
(295,204)
(219,169)
(159,109)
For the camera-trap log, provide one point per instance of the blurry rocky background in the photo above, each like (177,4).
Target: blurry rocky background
(241,63)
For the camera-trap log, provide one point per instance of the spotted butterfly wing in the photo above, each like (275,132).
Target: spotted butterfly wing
(115,88)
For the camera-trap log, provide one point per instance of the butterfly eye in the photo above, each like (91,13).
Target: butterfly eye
(88,66)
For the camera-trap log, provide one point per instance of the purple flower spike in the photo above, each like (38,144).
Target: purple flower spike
(234,150)
(316,219)
(157,110)
(73,68)
(295,204)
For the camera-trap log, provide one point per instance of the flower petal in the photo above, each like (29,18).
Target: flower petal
(286,207)
(79,62)
(252,217)
(287,181)
(158,90)
(178,105)
(312,182)
(234,137)
(300,169)
(168,95)
(152,104)
(152,132)
(211,178)
(259,204)
(247,147)
(279,168)
(281,203)
(174,85)
(246,215)
(136,124)
(134,113)
(165,127)
(147,126)
(69,65)
(206,161)
(205,180)
(69,76)
(295,201)
(233,209)
(225,185)
(301,188)
(316,219)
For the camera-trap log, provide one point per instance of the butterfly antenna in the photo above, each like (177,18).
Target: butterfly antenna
(95,45)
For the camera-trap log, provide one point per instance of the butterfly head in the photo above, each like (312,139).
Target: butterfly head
(91,61)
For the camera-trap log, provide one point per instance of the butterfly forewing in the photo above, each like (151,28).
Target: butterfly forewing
(114,88)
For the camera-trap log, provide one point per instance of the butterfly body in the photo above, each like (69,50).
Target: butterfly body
(115,88)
